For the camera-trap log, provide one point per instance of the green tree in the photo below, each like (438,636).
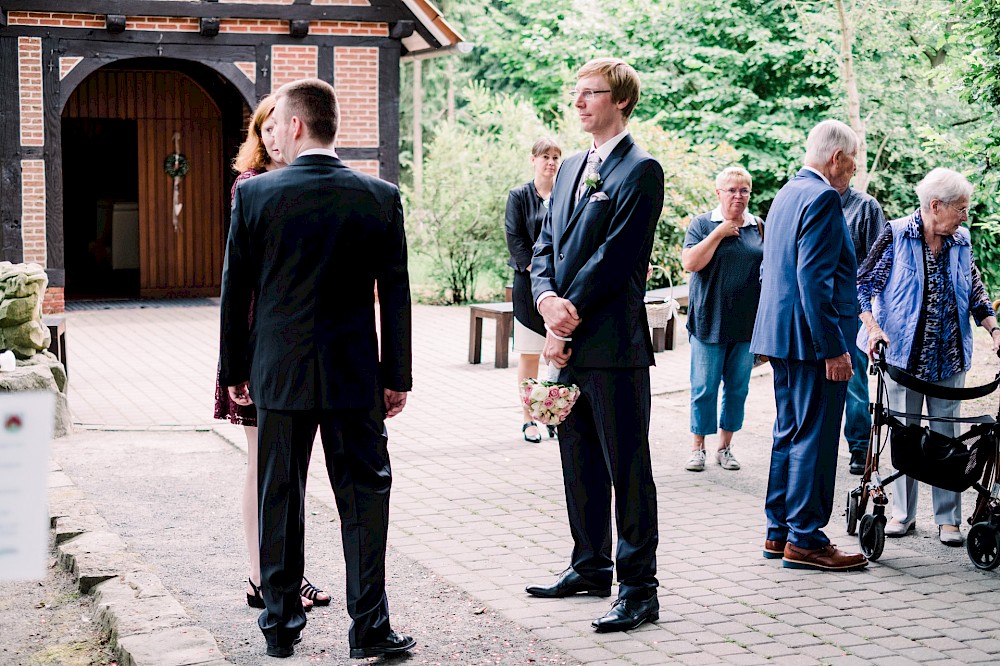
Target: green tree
(471,164)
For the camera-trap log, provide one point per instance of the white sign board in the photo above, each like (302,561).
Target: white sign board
(25,432)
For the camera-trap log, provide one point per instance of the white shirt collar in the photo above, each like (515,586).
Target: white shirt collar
(329,152)
(748,219)
(818,173)
(604,150)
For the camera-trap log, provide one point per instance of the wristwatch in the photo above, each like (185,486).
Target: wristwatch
(994,330)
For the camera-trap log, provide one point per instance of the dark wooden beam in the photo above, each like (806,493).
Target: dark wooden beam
(99,53)
(191,38)
(11,246)
(55,255)
(357,153)
(388,112)
(378,11)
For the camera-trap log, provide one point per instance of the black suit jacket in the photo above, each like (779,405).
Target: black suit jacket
(311,240)
(595,254)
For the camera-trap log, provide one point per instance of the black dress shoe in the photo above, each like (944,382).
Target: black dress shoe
(569,583)
(392,644)
(628,614)
(858,460)
(280,651)
(283,651)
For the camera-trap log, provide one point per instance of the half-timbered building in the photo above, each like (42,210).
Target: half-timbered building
(119,120)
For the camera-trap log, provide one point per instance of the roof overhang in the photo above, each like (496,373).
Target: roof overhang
(443,40)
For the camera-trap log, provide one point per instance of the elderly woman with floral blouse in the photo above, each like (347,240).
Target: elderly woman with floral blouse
(924,281)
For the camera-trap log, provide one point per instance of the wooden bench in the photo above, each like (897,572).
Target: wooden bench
(663,338)
(503,315)
(57,329)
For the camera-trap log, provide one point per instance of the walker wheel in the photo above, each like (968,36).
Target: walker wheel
(871,536)
(852,514)
(983,546)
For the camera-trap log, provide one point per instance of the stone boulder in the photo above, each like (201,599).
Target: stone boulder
(42,372)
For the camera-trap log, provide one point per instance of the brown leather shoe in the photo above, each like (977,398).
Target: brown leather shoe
(773,549)
(827,558)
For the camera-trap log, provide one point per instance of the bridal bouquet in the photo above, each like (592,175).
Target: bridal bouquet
(548,402)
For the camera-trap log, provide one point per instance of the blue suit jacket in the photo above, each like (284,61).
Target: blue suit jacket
(809,302)
(595,254)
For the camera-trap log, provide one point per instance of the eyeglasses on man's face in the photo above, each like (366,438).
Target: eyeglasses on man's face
(963,212)
(734,191)
(587,95)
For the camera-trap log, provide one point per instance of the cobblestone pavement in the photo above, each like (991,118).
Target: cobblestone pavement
(480,509)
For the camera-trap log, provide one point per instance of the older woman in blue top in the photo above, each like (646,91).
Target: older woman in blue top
(925,284)
(723,251)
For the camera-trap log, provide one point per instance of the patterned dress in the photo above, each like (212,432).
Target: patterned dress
(225,408)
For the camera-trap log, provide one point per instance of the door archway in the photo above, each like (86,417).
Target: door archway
(131,229)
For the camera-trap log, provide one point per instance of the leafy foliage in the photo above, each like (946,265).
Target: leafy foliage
(744,80)
(469,169)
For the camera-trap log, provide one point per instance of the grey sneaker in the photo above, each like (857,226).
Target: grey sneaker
(696,463)
(725,458)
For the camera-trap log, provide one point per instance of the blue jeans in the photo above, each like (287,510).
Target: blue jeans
(857,419)
(728,363)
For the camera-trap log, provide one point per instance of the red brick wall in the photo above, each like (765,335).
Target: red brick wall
(356,80)
(29,74)
(367,166)
(291,63)
(53,302)
(33,211)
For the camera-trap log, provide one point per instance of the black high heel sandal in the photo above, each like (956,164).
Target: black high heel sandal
(552,431)
(254,600)
(313,593)
(531,440)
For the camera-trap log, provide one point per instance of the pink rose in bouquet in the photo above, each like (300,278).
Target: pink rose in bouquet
(548,402)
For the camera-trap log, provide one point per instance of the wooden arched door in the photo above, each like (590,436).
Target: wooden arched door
(182,259)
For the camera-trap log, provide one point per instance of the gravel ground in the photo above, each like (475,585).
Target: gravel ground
(49,622)
(174,498)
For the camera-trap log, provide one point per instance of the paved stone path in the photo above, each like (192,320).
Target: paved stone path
(480,509)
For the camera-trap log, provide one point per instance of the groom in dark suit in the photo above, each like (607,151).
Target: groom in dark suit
(310,242)
(588,279)
(806,323)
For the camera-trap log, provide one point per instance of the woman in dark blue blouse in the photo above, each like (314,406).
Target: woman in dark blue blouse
(723,251)
(526,209)
(924,282)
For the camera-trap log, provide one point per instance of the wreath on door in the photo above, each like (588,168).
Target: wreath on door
(176,167)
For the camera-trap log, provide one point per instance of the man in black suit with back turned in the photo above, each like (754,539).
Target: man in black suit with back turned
(310,242)
(588,278)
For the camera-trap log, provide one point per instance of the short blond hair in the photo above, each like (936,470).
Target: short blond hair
(622,79)
(733,173)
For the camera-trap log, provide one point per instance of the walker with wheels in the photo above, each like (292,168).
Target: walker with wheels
(953,463)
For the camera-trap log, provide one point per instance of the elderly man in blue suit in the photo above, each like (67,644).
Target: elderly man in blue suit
(588,276)
(806,322)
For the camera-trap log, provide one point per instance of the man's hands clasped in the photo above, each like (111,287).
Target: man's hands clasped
(561,319)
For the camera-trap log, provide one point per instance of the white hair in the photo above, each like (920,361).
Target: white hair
(827,138)
(735,174)
(944,185)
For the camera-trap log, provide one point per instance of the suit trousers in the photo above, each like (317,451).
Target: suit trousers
(604,445)
(804,452)
(357,462)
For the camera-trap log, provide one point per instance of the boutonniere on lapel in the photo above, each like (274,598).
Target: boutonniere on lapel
(592,179)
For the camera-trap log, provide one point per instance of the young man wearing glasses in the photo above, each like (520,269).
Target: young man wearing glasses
(588,279)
